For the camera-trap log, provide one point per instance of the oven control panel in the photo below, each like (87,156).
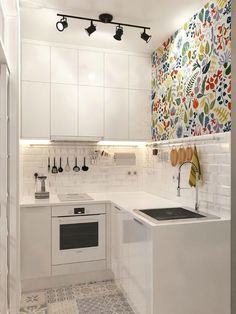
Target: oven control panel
(78,209)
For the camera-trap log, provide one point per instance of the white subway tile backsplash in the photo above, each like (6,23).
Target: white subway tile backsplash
(154,173)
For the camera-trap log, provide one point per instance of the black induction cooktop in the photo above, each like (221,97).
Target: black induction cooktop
(171,213)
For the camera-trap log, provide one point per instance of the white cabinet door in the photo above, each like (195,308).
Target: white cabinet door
(35,63)
(91,111)
(35,110)
(139,115)
(63,65)
(140,263)
(116,70)
(139,72)
(116,113)
(35,242)
(91,68)
(64,110)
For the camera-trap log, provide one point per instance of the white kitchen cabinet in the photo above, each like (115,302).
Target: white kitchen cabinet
(35,242)
(35,62)
(139,115)
(139,72)
(35,110)
(116,114)
(64,65)
(91,111)
(64,120)
(116,70)
(138,237)
(91,68)
(131,259)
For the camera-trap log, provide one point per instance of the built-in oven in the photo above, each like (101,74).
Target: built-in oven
(78,233)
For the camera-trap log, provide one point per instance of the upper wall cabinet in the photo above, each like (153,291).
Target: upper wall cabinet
(116,70)
(91,111)
(64,65)
(35,110)
(91,68)
(64,110)
(140,113)
(35,63)
(139,72)
(116,114)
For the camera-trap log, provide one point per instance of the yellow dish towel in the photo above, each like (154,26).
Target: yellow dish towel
(193,173)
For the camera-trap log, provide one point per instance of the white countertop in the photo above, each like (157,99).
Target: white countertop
(127,201)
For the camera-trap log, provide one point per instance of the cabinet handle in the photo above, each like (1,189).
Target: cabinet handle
(78,211)
(139,222)
(117,208)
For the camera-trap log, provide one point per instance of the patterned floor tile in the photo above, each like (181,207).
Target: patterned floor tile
(104,304)
(59,294)
(65,307)
(88,298)
(33,298)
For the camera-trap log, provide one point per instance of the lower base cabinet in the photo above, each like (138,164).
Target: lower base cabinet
(35,242)
(172,268)
(131,259)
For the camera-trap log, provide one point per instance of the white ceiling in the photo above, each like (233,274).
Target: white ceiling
(38,19)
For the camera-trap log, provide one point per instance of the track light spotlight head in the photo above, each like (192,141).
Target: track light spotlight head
(62,24)
(119,33)
(91,29)
(145,36)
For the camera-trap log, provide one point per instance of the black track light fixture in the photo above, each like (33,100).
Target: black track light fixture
(62,24)
(91,29)
(105,18)
(119,32)
(145,36)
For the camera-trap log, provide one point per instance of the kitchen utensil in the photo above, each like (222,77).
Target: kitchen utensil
(189,153)
(54,168)
(60,169)
(67,167)
(182,155)
(85,168)
(174,157)
(76,168)
(49,166)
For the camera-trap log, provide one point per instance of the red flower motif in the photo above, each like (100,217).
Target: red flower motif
(195,103)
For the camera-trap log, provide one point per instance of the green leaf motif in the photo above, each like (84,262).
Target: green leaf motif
(191,113)
(228,70)
(206,67)
(207,48)
(185,48)
(185,118)
(201,14)
(201,57)
(212,104)
(178,101)
(206,108)
(191,83)
(201,118)
(204,85)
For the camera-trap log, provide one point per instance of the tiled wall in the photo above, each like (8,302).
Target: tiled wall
(154,173)
(102,176)
(214,191)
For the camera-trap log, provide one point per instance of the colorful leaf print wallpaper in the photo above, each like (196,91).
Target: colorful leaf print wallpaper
(191,76)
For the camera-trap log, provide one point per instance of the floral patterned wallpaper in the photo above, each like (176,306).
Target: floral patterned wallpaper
(191,76)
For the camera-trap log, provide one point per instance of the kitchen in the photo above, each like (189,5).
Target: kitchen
(121,166)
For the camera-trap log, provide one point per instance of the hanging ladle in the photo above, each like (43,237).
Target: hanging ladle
(76,168)
(60,169)
(67,167)
(85,168)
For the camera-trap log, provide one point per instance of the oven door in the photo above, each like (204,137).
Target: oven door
(78,239)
